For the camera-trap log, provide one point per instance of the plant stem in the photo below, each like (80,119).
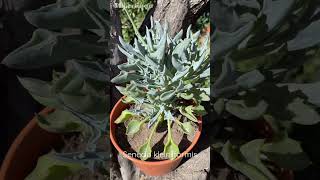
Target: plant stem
(133,25)
(169,130)
(178,120)
(143,121)
(155,127)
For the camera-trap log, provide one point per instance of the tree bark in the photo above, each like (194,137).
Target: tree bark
(179,13)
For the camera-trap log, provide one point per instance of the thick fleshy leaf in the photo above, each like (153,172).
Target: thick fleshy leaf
(60,121)
(219,106)
(241,110)
(168,95)
(125,115)
(286,153)
(188,112)
(40,91)
(145,151)
(304,114)
(306,38)
(171,150)
(89,104)
(276,11)
(133,127)
(233,158)
(186,96)
(64,15)
(187,127)
(252,152)
(250,79)
(50,168)
(311,90)
(55,48)
(199,110)
(124,77)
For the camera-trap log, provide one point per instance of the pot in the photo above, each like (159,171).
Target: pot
(152,168)
(30,144)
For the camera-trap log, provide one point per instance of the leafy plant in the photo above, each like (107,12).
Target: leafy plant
(138,10)
(160,72)
(260,46)
(73,35)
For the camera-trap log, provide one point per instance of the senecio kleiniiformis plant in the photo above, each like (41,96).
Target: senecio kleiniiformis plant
(165,78)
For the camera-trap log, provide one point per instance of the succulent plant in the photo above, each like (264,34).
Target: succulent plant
(261,47)
(160,72)
(73,40)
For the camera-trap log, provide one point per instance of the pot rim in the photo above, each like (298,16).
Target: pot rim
(168,161)
(18,142)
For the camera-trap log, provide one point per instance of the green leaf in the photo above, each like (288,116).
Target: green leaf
(56,48)
(250,79)
(128,100)
(304,114)
(125,115)
(187,127)
(89,104)
(305,38)
(311,90)
(168,95)
(125,77)
(252,152)
(199,110)
(233,158)
(68,15)
(186,96)
(133,127)
(145,151)
(51,168)
(187,112)
(171,150)
(225,40)
(40,91)
(241,110)
(219,106)
(60,122)
(286,153)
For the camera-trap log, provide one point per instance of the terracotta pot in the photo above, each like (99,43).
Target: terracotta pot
(31,143)
(152,168)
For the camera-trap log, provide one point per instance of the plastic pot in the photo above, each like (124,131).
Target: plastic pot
(152,168)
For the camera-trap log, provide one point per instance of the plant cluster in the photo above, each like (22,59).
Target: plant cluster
(72,40)
(166,76)
(262,48)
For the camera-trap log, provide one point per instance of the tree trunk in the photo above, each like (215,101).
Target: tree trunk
(179,13)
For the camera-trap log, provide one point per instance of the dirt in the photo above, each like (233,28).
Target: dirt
(132,143)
